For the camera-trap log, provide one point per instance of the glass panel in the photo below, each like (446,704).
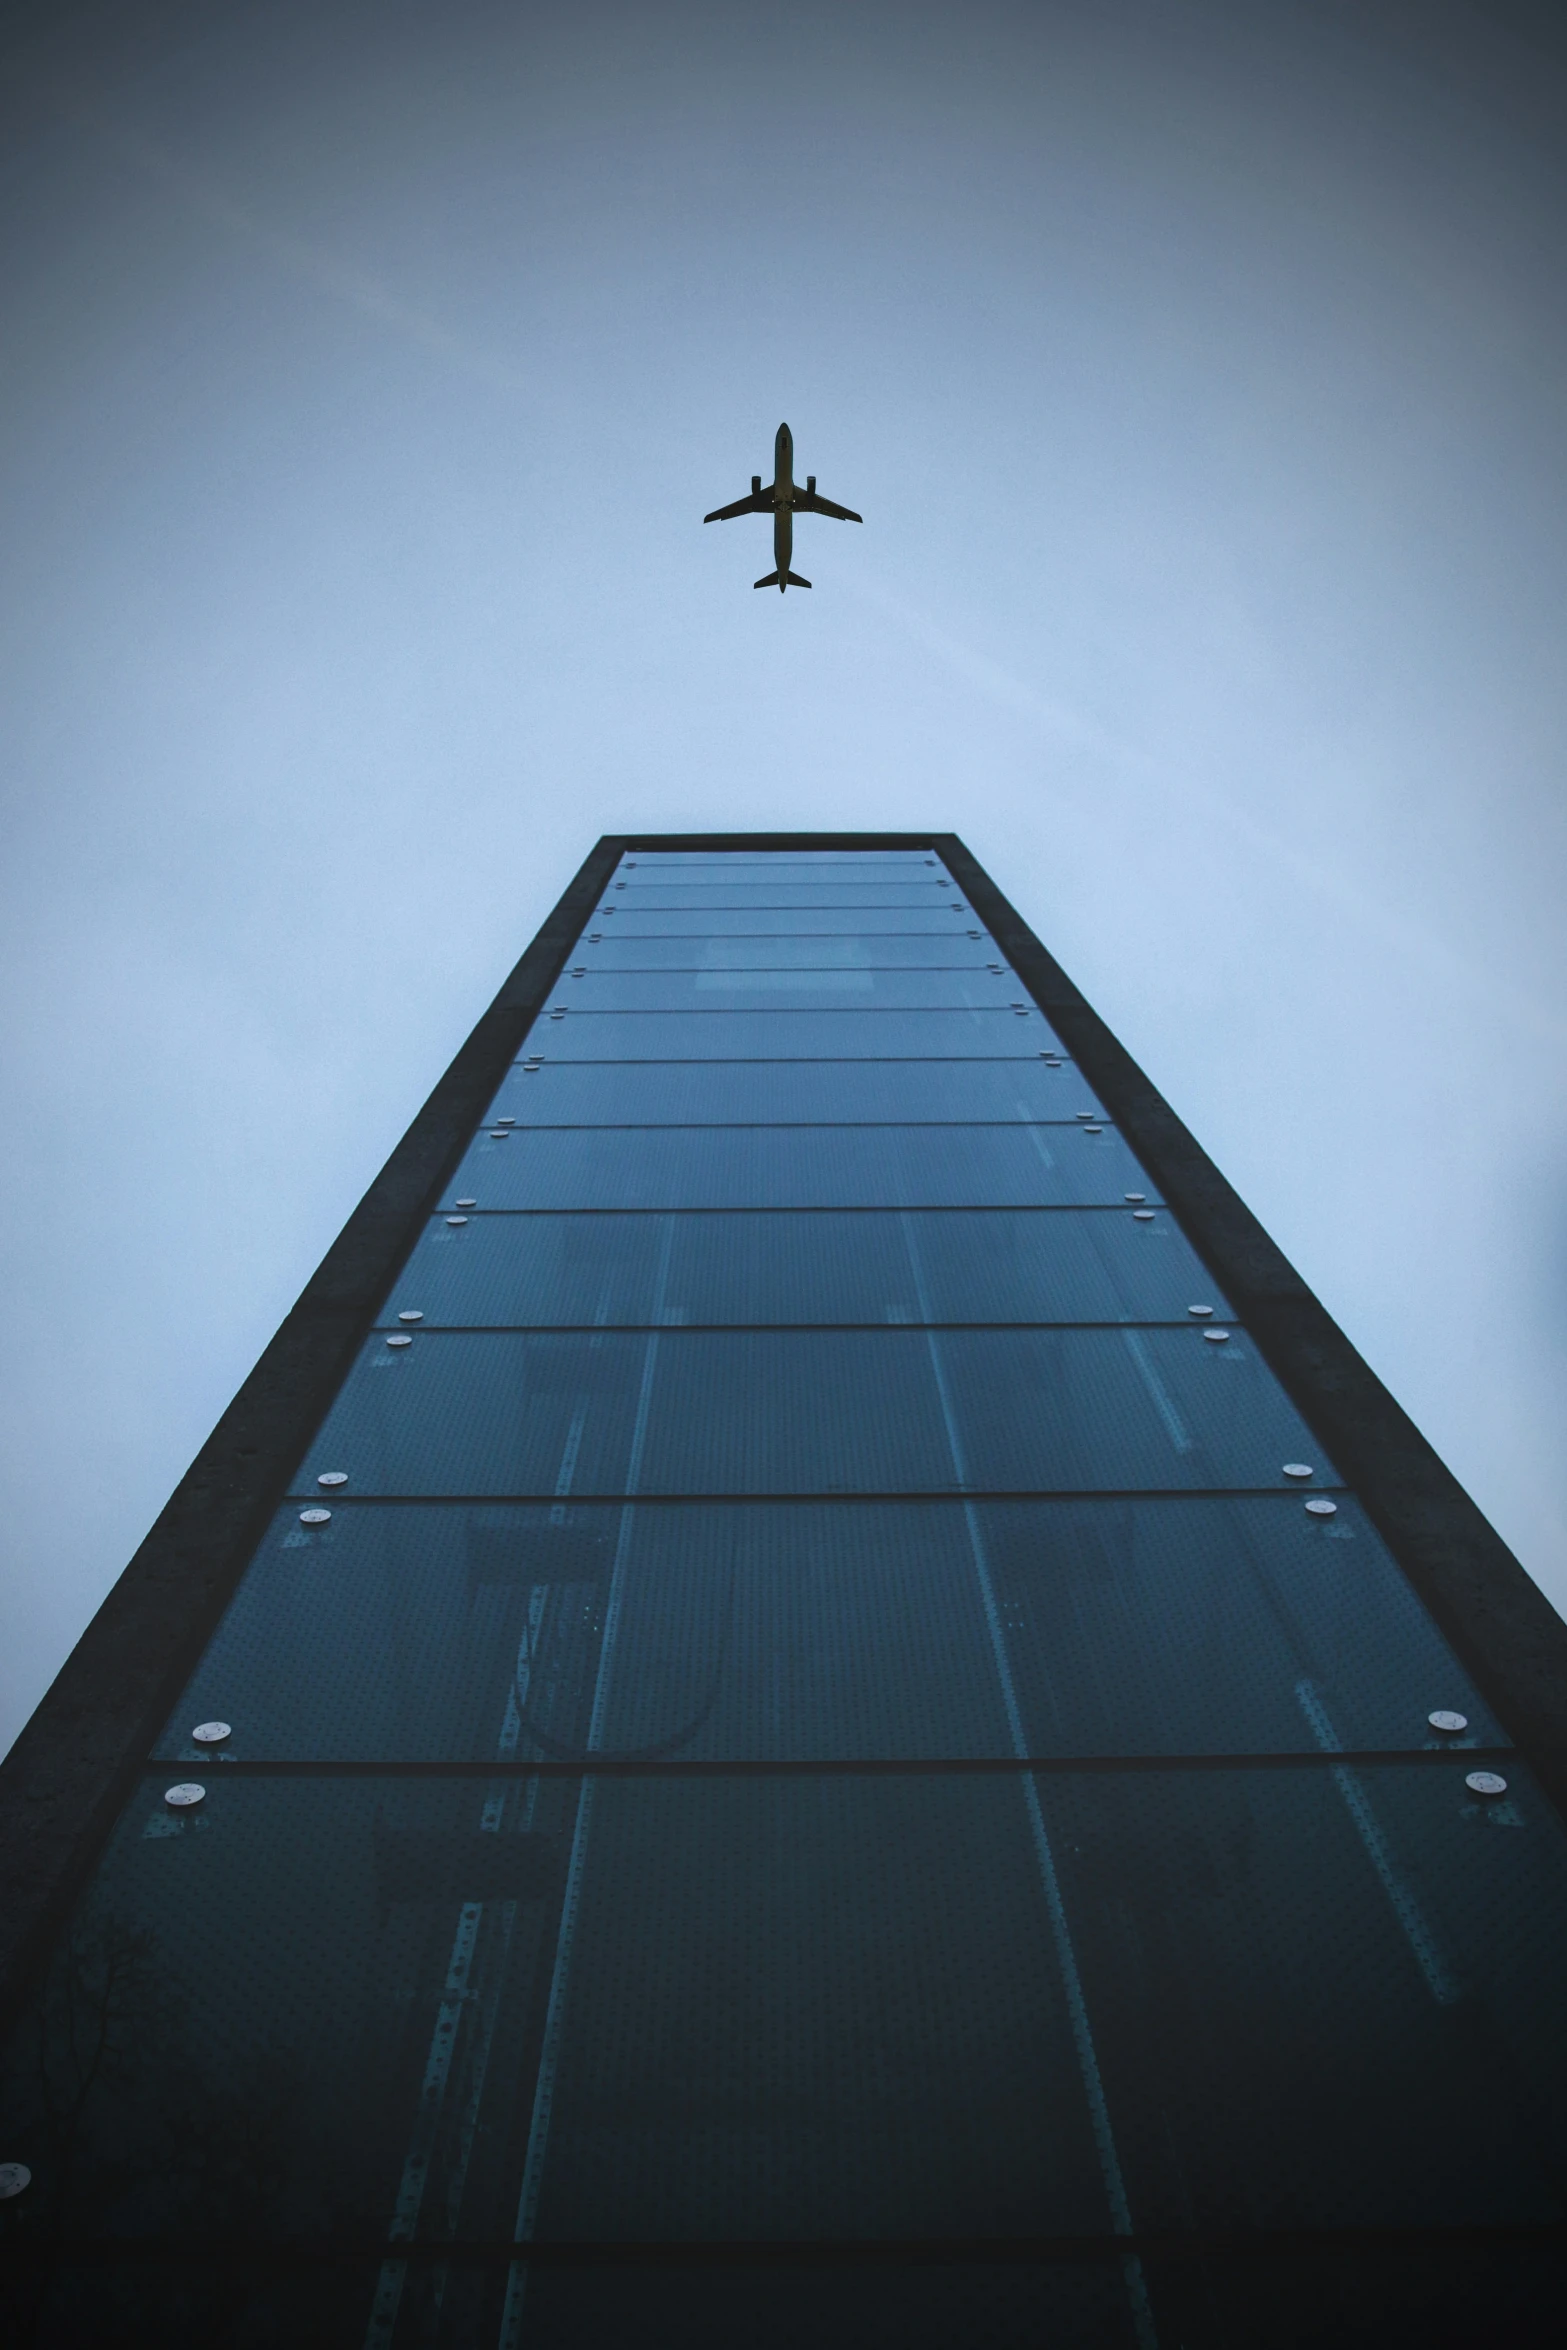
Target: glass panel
(699,895)
(754,872)
(695,952)
(762,858)
(792,2009)
(795,1167)
(818,1630)
(811,2008)
(739,1092)
(722,990)
(1202,1626)
(806,2008)
(891,1411)
(957,921)
(1029,1265)
(826,1034)
(1321,1998)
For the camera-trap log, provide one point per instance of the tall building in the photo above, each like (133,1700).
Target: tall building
(808,1700)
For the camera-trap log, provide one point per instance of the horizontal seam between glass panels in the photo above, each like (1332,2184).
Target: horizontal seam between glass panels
(783,1011)
(967,1766)
(586,936)
(849,1208)
(563,1060)
(840,970)
(257,2254)
(619,1498)
(769,1125)
(769,1328)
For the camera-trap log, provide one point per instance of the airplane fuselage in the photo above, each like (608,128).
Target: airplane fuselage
(783,500)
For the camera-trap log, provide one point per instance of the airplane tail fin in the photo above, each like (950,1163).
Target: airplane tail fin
(781,580)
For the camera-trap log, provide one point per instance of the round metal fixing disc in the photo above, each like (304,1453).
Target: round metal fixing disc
(1201,1312)
(212,1733)
(14,2176)
(1299,1469)
(505,1121)
(397,1339)
(315,1517)
(1217,1337)
(411,1314)
(1136,1197)
(456,1220)
(1093,1130)
(499,1133)
(1142,1215)
(1485,1783)
(1450,1722)
(1321,1507)
(465,1203)
(333,1477)
(1085,1115)
(185,1796)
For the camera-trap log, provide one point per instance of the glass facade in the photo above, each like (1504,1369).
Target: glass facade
(814,1751)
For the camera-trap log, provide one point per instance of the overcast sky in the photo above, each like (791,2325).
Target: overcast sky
(1201,373)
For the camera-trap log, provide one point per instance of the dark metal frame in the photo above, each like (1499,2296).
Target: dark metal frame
(80,1758)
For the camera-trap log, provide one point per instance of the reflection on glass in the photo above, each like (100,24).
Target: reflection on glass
(814,1630)
(1013,1165)
(741,1267)
(725,987)
(809,1411)
(916,951)
(792,1092)
(827,1034)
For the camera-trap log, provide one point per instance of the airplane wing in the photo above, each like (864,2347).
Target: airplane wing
(751,505)
(807,502)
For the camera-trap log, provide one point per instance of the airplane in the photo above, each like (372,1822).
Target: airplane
(783,502)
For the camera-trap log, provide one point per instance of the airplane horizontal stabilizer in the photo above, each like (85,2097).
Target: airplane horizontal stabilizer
(789,579)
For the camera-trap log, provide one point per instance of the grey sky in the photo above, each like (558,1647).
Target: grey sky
(1201,373)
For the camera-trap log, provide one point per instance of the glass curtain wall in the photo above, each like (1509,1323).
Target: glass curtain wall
(815,1751)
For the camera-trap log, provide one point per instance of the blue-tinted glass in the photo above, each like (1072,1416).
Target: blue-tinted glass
(953,1092)
(721,990)
(752,872)
(800,1166)
(277,1972)
(801,1411)
(923,951)
(626,916)
(1011,1265)
(810,1630)
(814,858)
(1322,1998)
(865,1976)
(776,890)
(827,1034)
(928,2084)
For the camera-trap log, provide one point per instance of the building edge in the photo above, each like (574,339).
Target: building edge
(1498,1621)
(76,1762)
